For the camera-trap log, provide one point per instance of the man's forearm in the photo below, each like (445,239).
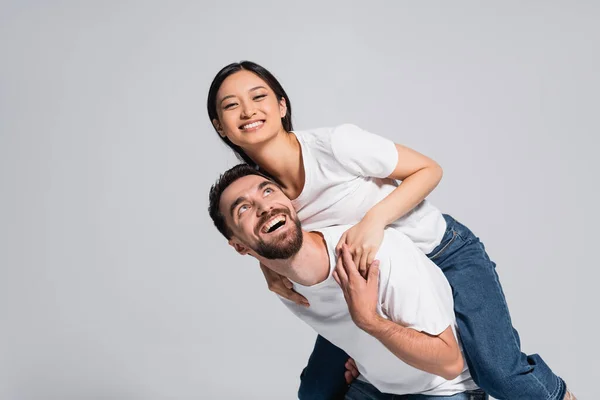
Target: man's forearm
(438,355)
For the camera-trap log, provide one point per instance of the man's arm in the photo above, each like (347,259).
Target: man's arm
(436,354)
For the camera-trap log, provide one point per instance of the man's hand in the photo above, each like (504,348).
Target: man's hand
(360,294)
(282,286)
(351,371)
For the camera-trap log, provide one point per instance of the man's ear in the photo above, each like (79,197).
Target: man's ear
(238,246)
(282,107)
(218,127)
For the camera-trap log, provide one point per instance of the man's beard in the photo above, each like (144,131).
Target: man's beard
(284,248)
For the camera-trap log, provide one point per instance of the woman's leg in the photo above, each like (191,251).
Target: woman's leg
(323,378)
(365,391)
(468,395)
(360,390)
(491,345)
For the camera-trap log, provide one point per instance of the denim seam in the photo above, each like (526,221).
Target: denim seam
(548,393)
(556,394)
(454,235)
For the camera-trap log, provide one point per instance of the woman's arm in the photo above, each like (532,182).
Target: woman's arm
(419,175)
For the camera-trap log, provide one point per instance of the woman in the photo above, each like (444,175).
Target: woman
(345,175)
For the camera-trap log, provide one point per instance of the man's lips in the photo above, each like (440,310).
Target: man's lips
(277,217)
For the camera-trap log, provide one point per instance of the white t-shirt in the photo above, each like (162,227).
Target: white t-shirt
(346,175)
(412,292)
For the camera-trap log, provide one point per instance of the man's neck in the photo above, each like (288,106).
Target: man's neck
(309,266)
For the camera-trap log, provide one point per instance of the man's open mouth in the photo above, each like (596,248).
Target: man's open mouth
(274,224)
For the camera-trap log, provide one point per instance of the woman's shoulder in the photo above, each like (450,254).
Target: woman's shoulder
(324,136)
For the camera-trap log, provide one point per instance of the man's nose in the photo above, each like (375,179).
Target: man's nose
(262,208)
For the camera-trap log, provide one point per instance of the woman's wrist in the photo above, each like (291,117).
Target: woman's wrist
(376,216)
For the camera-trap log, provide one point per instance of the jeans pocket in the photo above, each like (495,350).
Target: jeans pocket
(445,247)
(477,394)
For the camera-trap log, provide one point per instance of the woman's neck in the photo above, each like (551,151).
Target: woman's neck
(281,157)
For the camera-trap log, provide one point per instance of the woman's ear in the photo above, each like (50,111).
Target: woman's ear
(218,127)
(282,107)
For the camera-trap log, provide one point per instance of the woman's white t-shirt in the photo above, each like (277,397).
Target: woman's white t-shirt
(346,170)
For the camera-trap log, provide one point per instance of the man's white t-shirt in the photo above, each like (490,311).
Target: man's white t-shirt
(346,175)
(413,292)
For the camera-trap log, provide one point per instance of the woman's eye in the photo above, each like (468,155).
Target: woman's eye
(260,96)
(229,106)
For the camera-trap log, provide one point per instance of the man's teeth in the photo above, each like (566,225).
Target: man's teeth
(273,222)
(252,125)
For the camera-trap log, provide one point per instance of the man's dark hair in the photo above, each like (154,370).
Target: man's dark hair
(216,190)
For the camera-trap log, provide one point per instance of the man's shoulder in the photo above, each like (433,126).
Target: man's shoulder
(395,247)
(333,234)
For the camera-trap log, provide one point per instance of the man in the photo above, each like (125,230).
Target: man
(398,324)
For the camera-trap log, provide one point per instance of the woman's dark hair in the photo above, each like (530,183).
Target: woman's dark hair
(265,76)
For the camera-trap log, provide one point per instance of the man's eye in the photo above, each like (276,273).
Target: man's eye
(268,191)
(242,209)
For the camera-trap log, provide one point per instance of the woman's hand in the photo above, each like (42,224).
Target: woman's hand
(351,371)
(363,240)
(361,294)
(282,286)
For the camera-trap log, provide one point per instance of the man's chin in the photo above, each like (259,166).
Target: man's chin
(280,248)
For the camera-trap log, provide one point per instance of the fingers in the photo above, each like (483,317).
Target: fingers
(349,266)
(287,283)
(371,257)
(373,275)
(357,254)
(296,298)
(337,278)
(363,265)
(338,247)
(351,370)
(348,376)
(340,271)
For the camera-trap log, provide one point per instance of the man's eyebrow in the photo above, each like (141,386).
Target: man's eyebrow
(231,95)
(265,183)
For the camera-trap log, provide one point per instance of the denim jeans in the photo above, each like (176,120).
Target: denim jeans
(491,345)
(365,391)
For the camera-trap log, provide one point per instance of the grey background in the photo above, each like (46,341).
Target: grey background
(113,282)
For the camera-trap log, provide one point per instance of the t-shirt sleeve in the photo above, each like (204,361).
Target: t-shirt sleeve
(416,295)
(363,153)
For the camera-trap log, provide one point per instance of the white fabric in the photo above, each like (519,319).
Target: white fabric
(412,292)
(346,174)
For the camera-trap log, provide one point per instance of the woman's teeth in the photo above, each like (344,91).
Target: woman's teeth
(252,125)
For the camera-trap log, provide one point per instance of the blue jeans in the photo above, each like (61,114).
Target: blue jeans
(364,391)
(491,345)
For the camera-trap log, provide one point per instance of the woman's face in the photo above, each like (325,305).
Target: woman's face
(248,109)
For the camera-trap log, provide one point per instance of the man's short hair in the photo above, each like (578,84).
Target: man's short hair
(216,190)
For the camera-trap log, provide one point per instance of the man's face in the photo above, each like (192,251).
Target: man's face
(262,219)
